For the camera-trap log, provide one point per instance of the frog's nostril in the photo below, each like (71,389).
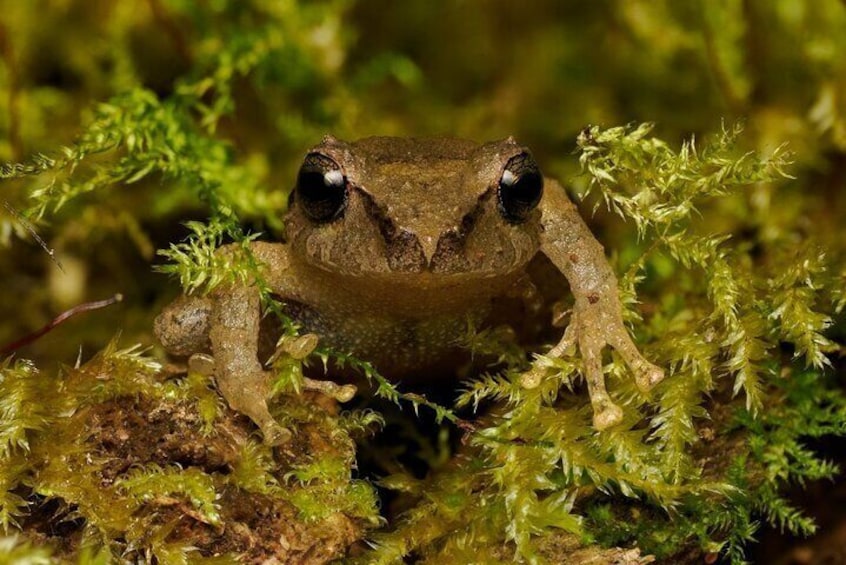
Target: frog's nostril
(430,246)
(449,256)
(405,252)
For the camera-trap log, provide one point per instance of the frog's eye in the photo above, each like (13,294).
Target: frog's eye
(321,188)
(520,188)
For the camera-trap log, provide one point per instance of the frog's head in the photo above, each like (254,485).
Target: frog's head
(399,207)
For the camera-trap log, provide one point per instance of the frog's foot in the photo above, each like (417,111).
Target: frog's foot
(254,406)
(606,414)
(301,346)
(247,395)
(274,434)
(252,403)
(593,326)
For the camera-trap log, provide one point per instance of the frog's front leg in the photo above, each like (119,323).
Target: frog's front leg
(597,316)
(239,376)
(234,321)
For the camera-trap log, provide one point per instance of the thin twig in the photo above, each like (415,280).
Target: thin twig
(85,307)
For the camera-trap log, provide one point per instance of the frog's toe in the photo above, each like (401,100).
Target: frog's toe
(532,378)
(346,393)
(301,346)
(648,376)
(341,393)
(607,417)
(274,434)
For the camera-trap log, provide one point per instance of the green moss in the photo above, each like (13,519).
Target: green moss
(82,460)
(151,482)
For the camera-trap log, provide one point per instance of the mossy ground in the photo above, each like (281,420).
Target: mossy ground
(156,469)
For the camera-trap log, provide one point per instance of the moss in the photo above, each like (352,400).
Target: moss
(120,465)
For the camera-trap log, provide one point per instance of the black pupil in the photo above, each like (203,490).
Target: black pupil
(520,188)
(321,188)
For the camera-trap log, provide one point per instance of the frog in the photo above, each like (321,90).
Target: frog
(390,246)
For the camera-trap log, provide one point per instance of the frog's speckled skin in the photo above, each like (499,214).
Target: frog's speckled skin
(420,246)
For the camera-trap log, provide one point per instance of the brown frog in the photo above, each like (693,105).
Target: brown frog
(391,244)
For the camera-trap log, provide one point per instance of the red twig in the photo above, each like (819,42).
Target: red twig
(85,307)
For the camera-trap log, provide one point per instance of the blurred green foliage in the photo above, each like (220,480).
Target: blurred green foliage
(120,120)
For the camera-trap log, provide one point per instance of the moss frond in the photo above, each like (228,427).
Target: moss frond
(662,187)
(674,426)
(21,409)
(112,373)
(496,387)
(153,482)
(200,266)
(359,423)
(498,343)
(253,470)
(199,389)
(287,373)
(12,505)
(322,488)
(384,388)
(795,294)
